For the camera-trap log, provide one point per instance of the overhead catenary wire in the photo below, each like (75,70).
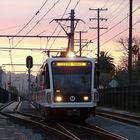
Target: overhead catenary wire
(62,17)
(105,33)
(32,18)
(77,4)
(38,21)
(21,25)
(66,21)
(58,24)
(48,40)
(49,19)
(55,31)
(10,53)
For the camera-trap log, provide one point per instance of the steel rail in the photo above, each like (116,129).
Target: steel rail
(108,133)
(5,105)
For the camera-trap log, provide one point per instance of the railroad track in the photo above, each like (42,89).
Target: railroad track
(130,119)
(93,132)
(64,130)
(30,119)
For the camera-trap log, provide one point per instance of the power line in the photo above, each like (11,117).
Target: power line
(117,24)
(105,4)
(117,14)
(114,11)
(117,7)
(119,34)
(111,4)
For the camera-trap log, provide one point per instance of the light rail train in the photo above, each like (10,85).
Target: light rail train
(66,88)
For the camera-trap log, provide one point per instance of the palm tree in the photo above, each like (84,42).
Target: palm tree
(106,63)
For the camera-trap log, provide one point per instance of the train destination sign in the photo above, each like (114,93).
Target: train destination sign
(71,64)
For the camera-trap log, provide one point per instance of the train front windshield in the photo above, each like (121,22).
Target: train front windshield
(72,77)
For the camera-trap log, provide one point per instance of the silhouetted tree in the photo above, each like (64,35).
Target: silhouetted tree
(122,71)
(135,51)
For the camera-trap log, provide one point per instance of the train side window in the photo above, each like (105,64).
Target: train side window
(47,79)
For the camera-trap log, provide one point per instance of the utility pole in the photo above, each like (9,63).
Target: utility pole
(98,38)
(1,80)
(80,41)
(72,28)
(130,42)
(9,87)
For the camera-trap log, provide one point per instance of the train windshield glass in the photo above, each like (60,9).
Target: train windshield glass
(72,77)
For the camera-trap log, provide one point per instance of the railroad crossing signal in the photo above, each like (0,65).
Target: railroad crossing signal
(29,62)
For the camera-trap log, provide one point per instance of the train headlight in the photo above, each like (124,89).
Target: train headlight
(71,54)
(58,98)
(86,98)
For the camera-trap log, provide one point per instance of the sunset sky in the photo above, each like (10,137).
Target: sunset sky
(16,14)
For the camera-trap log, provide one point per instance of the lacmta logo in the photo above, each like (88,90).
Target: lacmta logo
(72,98)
